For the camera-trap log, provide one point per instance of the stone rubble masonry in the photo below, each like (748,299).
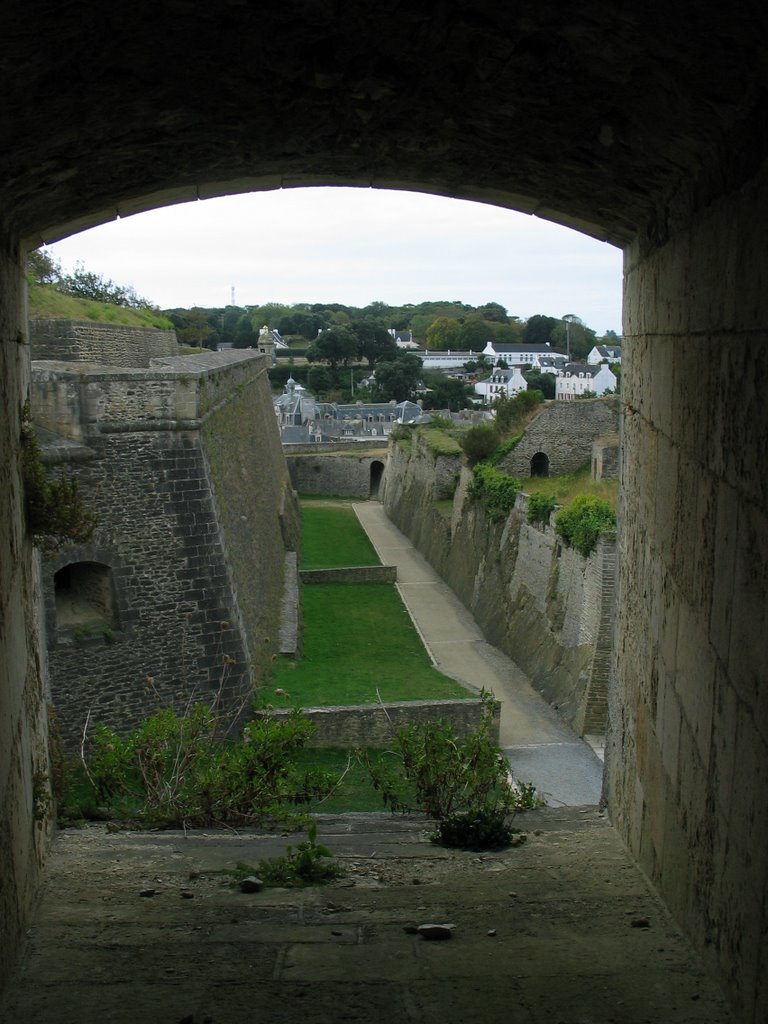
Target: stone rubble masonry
(351,574)
(195,515)
(85,341)
(565,433)
(346,474)
(374,725)
(543,604)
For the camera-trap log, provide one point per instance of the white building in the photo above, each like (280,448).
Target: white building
(601,353)
(508,382)
(580,378)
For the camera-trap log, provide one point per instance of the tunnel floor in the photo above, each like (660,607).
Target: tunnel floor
(146,927)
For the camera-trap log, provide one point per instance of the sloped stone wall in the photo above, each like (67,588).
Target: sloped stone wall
(543,604)
(195,514)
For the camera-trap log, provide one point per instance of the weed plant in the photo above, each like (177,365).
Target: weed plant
(310,863)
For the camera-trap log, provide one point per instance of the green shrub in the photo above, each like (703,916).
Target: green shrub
(480,441)
(497,491)
(540,508)
(465,784)
(582,521)
(178,768)
(56,514)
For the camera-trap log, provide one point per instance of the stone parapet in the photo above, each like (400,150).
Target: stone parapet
(375,725)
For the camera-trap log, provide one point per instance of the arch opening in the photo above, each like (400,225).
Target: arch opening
(540,465)
(84,596)
(377,473)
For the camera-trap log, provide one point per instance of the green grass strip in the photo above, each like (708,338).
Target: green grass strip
(358,638)
(332,537)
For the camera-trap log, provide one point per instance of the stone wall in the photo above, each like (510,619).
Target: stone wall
(195,514)
(345,474)
(24,813)
(374,725)
(564,432)
(351,574)
(605,458)
(688,754)
(542,603)
(86,341)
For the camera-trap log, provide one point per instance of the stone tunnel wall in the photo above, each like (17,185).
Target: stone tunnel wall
(194,511)
(688,755)
(546,606)
(24,826)
(86,341)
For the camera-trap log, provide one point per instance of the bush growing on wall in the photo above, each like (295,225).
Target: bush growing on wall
(479,442)
(582,521)
(497,491)
(540,508)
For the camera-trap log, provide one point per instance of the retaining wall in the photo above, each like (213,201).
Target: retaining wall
(374,725)
(86,341)
(546,606)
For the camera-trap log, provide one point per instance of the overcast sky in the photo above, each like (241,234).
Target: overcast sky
(353,246)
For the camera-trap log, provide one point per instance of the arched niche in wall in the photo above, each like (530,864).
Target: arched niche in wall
(377,472)
(84,596)
(540,464)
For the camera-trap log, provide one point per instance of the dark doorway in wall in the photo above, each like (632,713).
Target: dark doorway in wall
(377,472)
(540,464)
(84,596)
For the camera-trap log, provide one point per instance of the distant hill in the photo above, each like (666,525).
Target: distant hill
(48,304)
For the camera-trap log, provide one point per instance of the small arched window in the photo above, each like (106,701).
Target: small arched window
(84,595)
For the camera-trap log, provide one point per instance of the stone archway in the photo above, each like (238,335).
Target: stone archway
(641,126)
(377,474)
(540,464)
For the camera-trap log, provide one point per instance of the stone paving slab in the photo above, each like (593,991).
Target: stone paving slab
(561,929)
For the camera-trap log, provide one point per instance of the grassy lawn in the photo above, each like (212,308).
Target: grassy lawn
(333,537)
(564,488)
(356,792)
(358,638)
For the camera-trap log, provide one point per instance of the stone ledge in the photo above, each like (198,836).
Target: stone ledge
(351,574)
(374,725)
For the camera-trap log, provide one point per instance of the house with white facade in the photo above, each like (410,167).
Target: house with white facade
(579,379)
(519,355)
(604,353)
(507,382)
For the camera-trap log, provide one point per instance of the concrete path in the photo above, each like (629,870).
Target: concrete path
(540,746)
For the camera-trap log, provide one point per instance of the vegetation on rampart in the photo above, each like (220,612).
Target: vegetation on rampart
(56,513)
(45,303)
(581,522)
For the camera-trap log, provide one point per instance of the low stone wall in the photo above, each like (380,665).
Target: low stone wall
(351,574)
(86,341)
(374,725)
